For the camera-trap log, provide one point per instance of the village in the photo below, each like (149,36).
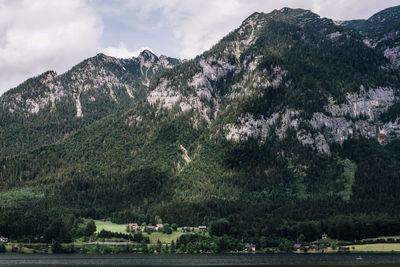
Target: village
(131,227)
(109,237)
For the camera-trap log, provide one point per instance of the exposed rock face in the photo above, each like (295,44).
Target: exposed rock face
(57,105)
(382,32)
(357,117)
(247,126)
(393,54)
(95,78)
(367,104)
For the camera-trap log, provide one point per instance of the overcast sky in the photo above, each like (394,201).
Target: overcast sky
(40,35)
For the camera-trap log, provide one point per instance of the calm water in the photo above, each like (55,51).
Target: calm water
(240,260)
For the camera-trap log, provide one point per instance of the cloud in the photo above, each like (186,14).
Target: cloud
(198,24)
(38,35)
(122,51)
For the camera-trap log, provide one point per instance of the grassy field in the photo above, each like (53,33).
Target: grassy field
(164,238)
(109,226)
(379,247)
(121,228)
(382,237)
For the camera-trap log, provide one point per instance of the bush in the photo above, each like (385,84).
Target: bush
(57,248)
(90,228)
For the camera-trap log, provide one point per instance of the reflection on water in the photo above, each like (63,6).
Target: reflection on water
(199,260)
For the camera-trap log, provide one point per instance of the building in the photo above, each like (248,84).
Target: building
(324,236)
(185,229)
(159,226)
(132,226)
(250,247)
(150,228)
(3,239)
(202,228)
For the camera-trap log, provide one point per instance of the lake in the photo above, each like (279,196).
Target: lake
(238,260)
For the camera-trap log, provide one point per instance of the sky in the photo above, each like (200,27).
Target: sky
(41,35)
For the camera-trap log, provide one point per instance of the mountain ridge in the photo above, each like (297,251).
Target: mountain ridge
(288,119)
(92,89)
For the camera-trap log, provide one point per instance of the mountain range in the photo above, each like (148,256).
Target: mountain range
(46,108)
(289,119)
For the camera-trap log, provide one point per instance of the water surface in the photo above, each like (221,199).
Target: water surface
(238,260)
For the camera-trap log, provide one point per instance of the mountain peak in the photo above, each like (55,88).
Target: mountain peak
(147,55)
(294,11)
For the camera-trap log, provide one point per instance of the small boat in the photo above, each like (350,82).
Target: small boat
(359,258)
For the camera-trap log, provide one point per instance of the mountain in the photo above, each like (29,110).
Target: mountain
(381,31)
(46,108)
(289,125)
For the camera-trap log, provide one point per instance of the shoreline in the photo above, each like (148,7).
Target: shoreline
(197,260)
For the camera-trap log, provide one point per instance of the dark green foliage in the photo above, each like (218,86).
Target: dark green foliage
(227,243)
(172,248)
(219,227)
(2,248)
(139,238)
(107,234)
(167,229)
(195,243)
(90,228)
(23,128)
(57,247)
(391,114)
(141,162)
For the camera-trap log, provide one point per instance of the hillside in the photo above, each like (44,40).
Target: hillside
(289,125)
(381,31)
(49,107)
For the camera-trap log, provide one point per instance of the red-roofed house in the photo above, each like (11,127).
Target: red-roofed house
(132,226)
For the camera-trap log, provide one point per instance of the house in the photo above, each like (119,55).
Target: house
(132,226)
(185,229)
(159,226)
(150,228)
(313,246)
(202,228)
(324,236)
(250,247)
(3,239)
(297,246)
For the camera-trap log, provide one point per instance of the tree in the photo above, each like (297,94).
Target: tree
(172,249)
(220,227)
(157,219)
(301,238)
(222,244)
(2,248)
(174,226)
(90,228)
(57,248)
(167,229)
(159,246)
